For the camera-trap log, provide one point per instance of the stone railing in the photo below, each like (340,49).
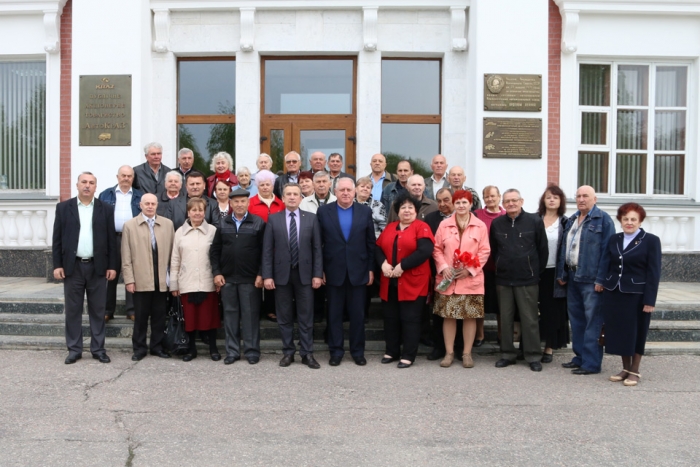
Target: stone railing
(26,224)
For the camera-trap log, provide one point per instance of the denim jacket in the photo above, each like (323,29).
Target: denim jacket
(593,259)
(109,196)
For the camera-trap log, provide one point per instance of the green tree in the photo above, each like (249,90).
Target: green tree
(222,136)
(186,140)
(420,167)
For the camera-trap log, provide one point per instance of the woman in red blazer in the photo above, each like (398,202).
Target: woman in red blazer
(464,297)
(403,252)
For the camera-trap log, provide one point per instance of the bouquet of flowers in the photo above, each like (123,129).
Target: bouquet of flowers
(459,261)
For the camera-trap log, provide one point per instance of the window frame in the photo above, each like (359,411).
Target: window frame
(204,118)
(650,153)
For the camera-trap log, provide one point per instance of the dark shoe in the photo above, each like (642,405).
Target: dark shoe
(103,358)
(230,360)
(478,342)
(189,357)
(535,366)
(253,360)
(160,353)
(404,365)
(570,365)
(581,371)
(335,361)
(436,354)
(216,356)
(310,361)
(137,357)
(70,359)
(287,360)
(362,361)
(131,317)
(386,360)
(546,358)
(504,362)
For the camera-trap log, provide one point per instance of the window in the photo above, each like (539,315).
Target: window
(633,141)
(411,112)
(22,125)
(206,98)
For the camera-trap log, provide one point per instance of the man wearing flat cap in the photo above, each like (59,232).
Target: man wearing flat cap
(235,256)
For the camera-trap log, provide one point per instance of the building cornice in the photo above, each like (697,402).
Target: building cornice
(175,5)
(49,10)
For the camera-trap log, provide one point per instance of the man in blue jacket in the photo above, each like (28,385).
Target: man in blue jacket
(125,201)
(582,266)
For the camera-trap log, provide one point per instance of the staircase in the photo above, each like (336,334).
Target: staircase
(31,317)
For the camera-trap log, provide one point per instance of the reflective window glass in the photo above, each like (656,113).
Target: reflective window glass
(415,142)
(411,87)
(205,140)
(206,87)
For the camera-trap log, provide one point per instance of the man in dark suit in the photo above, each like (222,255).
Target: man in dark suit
(125,201)
(348,238)
(149,177)
(85,258)
(177,207)
(292,265)
(335,170)
(292,164)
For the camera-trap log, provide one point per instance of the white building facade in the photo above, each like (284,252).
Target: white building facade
(619,100)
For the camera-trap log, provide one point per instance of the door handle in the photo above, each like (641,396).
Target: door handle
(263,139)
(352,138)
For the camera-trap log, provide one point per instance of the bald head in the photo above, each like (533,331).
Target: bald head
(456,178)
(585,199)
(149,204)
(125,178)
(416,186)
(439,166)
(378,164)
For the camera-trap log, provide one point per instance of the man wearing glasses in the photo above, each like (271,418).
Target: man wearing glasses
(292,164)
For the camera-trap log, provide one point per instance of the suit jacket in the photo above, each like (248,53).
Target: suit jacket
(280,182)
(354,257)
(145,181)
(429,186)
(427,206)
(164,202)
(66,231)
(276,260)
(637,268)
(109,196)
(137,256)
(177,211)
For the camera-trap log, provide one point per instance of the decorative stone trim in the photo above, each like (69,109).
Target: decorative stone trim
(161,29)
(569,30)
(459,21)
(247,29)
(369,28)
(52,20)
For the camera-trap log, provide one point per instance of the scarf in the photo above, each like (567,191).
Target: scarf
(223,176)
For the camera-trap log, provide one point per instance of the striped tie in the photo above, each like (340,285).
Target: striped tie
(293,241)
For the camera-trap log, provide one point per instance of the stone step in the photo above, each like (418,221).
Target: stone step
(53,325)
(267,347)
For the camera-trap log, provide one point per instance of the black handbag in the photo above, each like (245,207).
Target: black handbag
(176,338)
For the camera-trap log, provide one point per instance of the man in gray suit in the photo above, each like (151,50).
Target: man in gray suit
(292,265)
(149,177)
(85,258)
(438,179)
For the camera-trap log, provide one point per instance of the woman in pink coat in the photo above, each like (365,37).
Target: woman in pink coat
(464,297)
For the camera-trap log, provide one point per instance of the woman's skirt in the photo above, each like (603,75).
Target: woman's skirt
(459,306)
(554,319)
(626,325)
(202,316)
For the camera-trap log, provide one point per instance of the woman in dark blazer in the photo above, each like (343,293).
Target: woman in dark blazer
(402,252)
(631,285)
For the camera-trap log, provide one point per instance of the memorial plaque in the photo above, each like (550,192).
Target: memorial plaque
(515,138)
(519,93)
(105,110)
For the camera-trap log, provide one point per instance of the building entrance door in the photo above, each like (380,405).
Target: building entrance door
(307,136)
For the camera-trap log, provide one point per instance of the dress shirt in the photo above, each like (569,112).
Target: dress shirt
(437,186)
(85,247)
(122,208)
(239,222)
(297,216)
(378,186)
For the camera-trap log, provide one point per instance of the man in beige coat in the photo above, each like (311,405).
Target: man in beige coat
(147,241)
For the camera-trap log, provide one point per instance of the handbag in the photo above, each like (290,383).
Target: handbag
(176,338)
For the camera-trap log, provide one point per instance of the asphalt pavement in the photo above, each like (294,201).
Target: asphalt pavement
(160,412)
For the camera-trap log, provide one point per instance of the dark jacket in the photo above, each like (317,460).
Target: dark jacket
(177,211)
(66,231)
(637,268)
(236,254)
(519,247)
(146,182)
(560,290)
(109,196)
(164,201)
(280,182)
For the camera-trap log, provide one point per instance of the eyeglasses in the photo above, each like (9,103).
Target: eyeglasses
(291,162)
(511,201)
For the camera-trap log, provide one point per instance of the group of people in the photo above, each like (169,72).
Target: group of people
(306,246)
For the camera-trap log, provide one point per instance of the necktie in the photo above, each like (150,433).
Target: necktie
(293,240)
(151,223)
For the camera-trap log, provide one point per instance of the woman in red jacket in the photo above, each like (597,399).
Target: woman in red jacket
(464,297)
(222,166)
(403,252)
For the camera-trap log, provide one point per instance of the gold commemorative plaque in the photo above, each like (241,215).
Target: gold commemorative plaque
(513,138)
(515,93)
(105,110)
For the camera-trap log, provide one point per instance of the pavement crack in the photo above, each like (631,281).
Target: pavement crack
(89,387)
(131,444)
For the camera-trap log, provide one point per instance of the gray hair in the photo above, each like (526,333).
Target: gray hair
(86,173)
(443,189)
(335,154)
(416,176)
(184,151)
(512,190)
(488,188)
(243,169)
(152,145)
(321,174)
(265,156)
(364,181)
(174,173)
(221,155)
(264,176)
